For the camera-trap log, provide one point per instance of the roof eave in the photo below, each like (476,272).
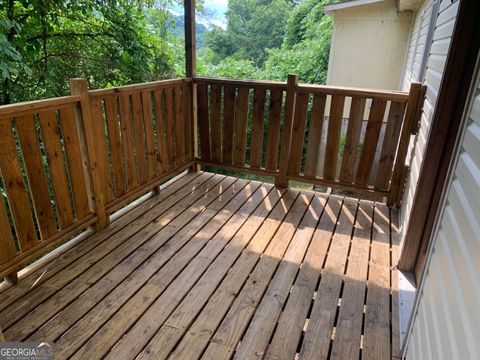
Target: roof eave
(329,9)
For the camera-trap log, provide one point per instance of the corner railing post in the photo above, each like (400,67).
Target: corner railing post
(79,87)
(292,83)
(409,128)
(12,278)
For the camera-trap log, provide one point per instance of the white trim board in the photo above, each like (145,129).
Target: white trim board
(407,292)
(328,9)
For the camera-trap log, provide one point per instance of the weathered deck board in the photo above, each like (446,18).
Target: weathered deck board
(377,313)
(255,340)
(349,323)
(199,334)
(322,320)
(138,214)
(171,332)
(292,320)
(154,253)
(219,268)
(14,312)
(173,281)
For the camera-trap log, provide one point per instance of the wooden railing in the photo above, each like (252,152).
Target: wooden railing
(66,163)
(349,138)
(149,130)
(232,113)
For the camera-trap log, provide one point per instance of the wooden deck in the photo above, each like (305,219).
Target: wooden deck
(215,267)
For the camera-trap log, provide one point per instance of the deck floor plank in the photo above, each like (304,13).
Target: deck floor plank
(395,325)
(80,281)
(377,313)
(159,311)
(197,338)
(95,243)
(259,332)
(227,336)
(216,267)
(292,320)
(170,333)
(348,332)
(39,276)
(320,326)
(83,330)
(121,283)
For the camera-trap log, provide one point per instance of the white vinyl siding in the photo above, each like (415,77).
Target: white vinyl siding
(416,47)
(447,322)
(437,57)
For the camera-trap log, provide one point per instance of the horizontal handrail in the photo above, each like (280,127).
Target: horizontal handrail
(36,106)
(307,88)
(241,83)
(400,96)
(135,88)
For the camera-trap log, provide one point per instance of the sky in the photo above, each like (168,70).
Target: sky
(216,13)
(217,8)
(220,6)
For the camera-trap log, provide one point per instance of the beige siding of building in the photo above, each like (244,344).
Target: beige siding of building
(435,65)
(368,46)
(447,321)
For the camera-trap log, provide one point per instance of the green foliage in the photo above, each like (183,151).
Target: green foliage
(268,39)
(305,50)
(232,68)
(343,142)
(253,27)
(304,22)
(116,42)
(44,43)
(308,58)
(221,45)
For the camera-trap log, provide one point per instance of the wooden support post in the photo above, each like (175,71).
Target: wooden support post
(80,87)
(292,82)
(12,278)
(412,115)
(191,70)
(190,42)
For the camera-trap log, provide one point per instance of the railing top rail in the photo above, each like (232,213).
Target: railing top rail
(399,96)
(28,107)
(241,83)
(138,87)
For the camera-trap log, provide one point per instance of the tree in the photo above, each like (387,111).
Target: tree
(306,47)
(232,68)
(43,43)
(253,27)
(269,39)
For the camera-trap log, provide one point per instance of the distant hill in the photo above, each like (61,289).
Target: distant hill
(179,29)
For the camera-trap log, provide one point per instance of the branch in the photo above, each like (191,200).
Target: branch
(46,56)
(70,34)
